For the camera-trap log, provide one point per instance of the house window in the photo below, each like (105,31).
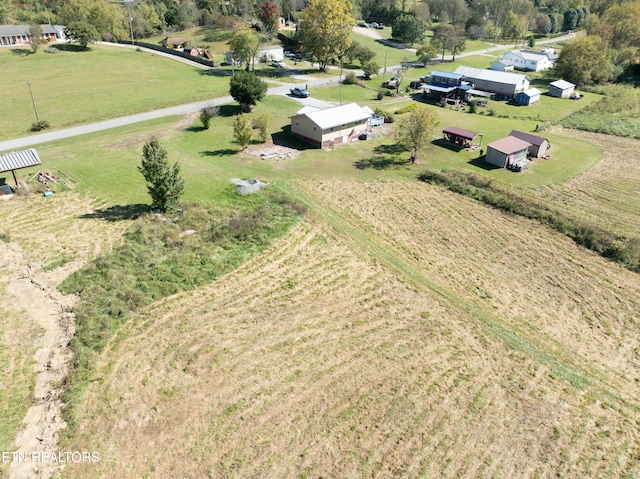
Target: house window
(314,129)
(297,123)
(344,125)
(331,129)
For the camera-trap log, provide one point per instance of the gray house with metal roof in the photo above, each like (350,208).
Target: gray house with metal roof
(501,83)
(16,35)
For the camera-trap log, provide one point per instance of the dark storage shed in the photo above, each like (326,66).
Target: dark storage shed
(460,137)
(539,145)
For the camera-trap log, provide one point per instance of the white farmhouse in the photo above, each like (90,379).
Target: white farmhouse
(528,61)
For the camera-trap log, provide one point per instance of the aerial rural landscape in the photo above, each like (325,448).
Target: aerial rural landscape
(319,239)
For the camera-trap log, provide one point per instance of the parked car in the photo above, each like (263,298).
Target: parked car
(392,82)
(415,85)
(380,26)
(288,54)
(277,63)
(299,92)
(374,25)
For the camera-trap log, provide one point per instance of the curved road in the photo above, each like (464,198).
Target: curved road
(24,142)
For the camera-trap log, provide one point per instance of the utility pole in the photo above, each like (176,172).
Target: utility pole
(384,72)
(34,104)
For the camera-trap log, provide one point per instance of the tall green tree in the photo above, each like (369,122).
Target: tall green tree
(449,38)
(414,129)
(82,33)
(426,53)
(247,89)
(326,29)
(5,12)
(104,16)
(244,45)
(370,68)
(514,26)
(408,29)
(584,61)
(624,20)
(164,183)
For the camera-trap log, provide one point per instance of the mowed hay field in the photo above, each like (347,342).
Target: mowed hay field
(606,194)
(399,331)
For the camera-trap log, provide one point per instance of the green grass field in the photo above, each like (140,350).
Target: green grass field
(73,88)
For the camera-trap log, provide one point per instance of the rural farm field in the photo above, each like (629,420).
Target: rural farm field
(399,331)
(349,321)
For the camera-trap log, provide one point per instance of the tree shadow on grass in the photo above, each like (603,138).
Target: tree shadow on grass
(229,110)
(214,72)
(221,152)
(480,162)
(21,52)
(69,47)
(118,212)
(393,149)
(380,163)
(195,129)
(441,142)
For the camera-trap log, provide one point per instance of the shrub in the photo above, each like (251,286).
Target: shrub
(262,123)
(388,116)
(617,248)
(350,79)
(380,94)
(207,113)
(41,125)
(51,50)
(407,109)
(473,107)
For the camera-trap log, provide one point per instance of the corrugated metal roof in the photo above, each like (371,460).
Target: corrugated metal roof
(443,89)
(562,84)
(455,76)
(528,137)
(491,75)
(339,115)
(469,135)
(307,109)
(19,159)
(529,55)
(530,92)
(19,30)
(509,145)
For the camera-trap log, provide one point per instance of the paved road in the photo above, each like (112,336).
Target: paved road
(283,89)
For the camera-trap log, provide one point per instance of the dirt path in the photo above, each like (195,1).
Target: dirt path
(48,310)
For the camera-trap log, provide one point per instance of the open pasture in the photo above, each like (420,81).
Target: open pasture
(400,331)
(72,88)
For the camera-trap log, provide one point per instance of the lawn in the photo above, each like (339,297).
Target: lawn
(73,88)
(209,158)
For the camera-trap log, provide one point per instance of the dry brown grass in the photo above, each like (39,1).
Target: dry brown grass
(606,194)
(401,331)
